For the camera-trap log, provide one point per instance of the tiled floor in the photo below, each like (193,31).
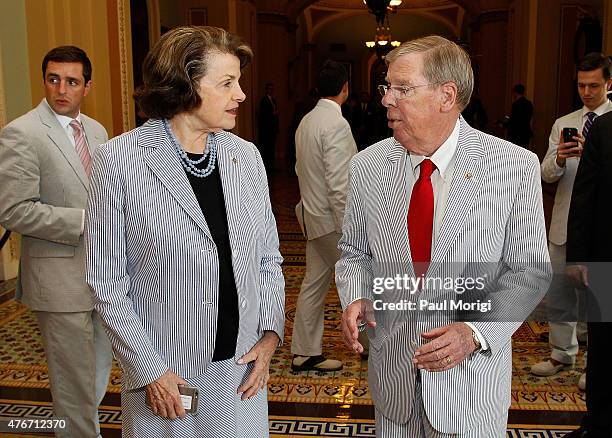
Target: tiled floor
(301,403)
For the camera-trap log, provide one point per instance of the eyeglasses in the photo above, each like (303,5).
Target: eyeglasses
(400,92)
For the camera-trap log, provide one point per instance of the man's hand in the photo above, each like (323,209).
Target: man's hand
(261,353)
(357,313)
(164,397)
(448,346)
(570,149)
(578,274)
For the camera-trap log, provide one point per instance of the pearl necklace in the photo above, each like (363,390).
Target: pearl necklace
(191,165)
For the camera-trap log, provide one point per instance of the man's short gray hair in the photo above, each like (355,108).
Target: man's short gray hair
(443,61)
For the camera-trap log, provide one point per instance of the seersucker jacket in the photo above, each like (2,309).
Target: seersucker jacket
(493,222)
(152,263)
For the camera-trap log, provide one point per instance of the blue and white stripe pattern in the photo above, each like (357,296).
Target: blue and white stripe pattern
(494,215)
(221,413)
(152,263)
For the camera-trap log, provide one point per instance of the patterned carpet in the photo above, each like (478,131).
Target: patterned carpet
(22,362)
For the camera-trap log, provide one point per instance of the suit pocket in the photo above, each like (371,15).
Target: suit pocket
(58,276)
(43,248)
(377,337)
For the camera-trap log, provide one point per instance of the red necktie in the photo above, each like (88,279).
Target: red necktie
(420,218)
(80,144)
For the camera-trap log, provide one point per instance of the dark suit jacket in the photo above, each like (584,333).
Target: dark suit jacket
(519,125)
(268,121)
(589,240)
(589,234)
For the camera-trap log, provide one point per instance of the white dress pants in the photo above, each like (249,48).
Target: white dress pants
(322,254)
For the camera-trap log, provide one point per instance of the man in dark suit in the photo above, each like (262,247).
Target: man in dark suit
(589,239)
(519,122)
(268,126)
(365,119)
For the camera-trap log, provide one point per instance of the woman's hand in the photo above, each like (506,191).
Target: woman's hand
(164,397)
(261,353)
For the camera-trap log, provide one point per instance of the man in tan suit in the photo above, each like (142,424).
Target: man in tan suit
(45,159)
(324,147)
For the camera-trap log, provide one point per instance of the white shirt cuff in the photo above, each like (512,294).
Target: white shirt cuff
(559,171)
(82,221)
(481,339)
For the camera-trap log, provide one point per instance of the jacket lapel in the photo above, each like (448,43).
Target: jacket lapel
(394,191)
(93,138)
(166,166)
(58,136)
(465,186)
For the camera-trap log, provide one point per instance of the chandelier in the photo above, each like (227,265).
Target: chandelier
(383,41)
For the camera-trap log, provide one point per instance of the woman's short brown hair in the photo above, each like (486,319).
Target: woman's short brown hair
(173,68)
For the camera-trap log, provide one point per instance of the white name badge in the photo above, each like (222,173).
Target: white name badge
(186,401)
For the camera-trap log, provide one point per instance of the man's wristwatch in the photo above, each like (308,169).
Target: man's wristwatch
(476,341)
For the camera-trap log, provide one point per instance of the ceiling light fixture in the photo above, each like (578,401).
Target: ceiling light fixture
(382,39)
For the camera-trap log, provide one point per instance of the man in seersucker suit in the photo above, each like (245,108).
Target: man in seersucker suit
(440,214)
(45,159)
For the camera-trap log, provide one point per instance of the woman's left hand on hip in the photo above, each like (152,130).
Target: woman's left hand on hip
(261,354)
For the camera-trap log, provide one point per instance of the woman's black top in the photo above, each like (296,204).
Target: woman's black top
(209,193)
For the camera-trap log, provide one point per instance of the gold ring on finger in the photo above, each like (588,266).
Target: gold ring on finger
(449,360)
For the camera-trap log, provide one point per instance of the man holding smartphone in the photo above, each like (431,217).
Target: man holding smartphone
(560,164)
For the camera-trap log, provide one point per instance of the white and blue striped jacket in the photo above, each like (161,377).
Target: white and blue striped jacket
(494,214)
(152,262)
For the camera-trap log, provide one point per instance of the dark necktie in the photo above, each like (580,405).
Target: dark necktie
(588,123)
(420,218)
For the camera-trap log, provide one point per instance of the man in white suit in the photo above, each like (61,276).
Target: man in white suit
(45,158)
(324,147)
(560,165)
(439,200)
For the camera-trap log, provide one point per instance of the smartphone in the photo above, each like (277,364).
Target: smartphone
(568,133)
(189,398)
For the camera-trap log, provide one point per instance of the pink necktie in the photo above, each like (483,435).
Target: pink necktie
(80,144)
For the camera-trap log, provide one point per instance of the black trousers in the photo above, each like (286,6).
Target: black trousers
(598,420)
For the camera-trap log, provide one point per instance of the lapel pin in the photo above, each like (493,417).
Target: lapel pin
(234,160)
(468,175)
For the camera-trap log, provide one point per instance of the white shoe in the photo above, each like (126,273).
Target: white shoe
(582,382)
(548,368)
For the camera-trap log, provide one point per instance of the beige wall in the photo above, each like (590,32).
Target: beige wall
(15,65)
(15,98)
